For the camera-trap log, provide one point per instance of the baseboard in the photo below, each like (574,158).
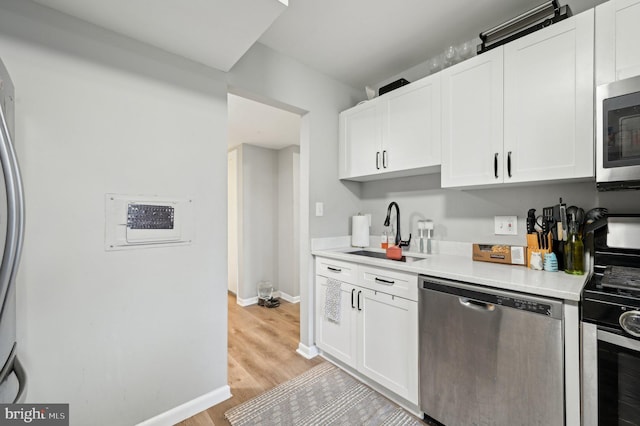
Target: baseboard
(247,302)
(308,352)
(188,409)
(289,298)
(280,294)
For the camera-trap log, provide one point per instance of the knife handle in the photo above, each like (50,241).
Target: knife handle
(531,221)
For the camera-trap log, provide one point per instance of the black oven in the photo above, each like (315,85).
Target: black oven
(618,135)
(610,310)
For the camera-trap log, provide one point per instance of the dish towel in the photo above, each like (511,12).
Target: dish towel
(332,301)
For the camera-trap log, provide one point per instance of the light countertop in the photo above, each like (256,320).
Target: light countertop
(507,277)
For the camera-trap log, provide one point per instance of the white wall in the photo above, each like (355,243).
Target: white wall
(268,76)
(287,235)
(232,226)
(259,223)
(122,336)
(267,220)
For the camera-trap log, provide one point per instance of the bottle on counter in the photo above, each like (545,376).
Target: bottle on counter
(574,250)
(384,238)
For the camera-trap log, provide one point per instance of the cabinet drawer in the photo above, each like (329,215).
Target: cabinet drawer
(388,281)
(331,268)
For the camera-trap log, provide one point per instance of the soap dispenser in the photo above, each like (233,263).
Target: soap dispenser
(425,229)
(421,235)
(429,228)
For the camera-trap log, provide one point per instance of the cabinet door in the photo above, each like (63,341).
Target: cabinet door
(388,342)
(337,339)
(548,102)
(411,126)
(617,35)
(472,121)
(360,140)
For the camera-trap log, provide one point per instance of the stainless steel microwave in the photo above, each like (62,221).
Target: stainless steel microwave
(618,135)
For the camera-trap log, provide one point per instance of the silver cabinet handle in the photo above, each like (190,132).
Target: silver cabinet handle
(385,282)
(378,160)
(353,290)
(359,293)
(474,304)
(334,269)
(495,165)
(509,163)
(384,159)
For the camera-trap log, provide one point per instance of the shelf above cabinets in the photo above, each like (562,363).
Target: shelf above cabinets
(397,134)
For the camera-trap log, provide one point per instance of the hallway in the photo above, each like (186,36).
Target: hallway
(262,354)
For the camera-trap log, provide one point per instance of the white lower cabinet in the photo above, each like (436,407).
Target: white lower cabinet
(388,342)
(336,338)
(377,333)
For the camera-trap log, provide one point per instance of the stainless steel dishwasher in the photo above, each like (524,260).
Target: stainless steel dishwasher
(489,357)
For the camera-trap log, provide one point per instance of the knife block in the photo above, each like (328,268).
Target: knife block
(533,246)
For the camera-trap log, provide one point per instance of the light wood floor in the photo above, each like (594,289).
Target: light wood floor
(262,354)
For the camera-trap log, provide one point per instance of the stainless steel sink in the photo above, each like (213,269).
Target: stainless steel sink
(380,255)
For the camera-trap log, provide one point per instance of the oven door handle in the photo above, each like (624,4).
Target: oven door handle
(616,339)
(589,374)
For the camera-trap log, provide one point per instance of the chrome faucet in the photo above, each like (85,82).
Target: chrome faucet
(387,222)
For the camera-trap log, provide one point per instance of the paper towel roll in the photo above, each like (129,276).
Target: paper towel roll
(360,231)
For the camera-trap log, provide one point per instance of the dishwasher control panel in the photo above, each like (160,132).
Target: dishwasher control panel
(524,305)
(491,298)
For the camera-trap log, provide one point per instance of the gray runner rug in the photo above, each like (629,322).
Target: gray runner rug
(324,395)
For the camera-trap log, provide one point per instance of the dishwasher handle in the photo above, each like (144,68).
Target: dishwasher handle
(478,306)
(498,298)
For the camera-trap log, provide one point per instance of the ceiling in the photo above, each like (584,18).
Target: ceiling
(363,42)
(213,32)
(259,124)
(357,42)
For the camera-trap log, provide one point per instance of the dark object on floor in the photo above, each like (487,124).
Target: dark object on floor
(271,302)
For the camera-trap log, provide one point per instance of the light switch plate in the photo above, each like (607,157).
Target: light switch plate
(319,208)
(506,225)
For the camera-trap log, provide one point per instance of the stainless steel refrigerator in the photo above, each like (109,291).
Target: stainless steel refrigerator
(12,376)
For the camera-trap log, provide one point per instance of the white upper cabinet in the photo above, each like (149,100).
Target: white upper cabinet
(617,37)
(411,126)
(472,121)
(397,134)
(548,102)
(360,141)
(522,112)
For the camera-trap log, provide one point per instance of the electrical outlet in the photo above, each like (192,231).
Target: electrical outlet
(506,225)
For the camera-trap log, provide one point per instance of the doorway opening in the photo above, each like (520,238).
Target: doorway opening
(263,230)
(267,221)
